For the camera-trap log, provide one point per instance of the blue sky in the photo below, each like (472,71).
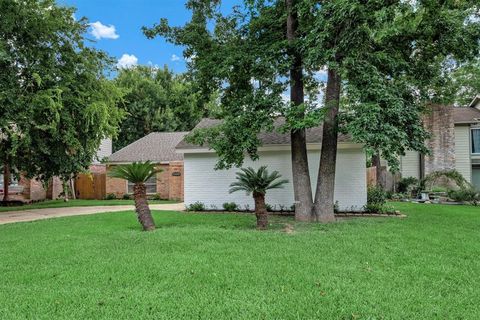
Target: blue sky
(116,28)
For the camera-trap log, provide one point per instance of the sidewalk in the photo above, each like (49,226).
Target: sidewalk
(39,214)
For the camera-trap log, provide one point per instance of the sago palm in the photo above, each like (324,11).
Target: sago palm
(257,183)
(138,173)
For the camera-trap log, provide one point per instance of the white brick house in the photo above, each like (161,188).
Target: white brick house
(209,186)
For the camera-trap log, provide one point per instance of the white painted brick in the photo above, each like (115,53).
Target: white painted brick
(204,184)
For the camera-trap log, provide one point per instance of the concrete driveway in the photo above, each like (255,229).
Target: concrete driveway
(39,214)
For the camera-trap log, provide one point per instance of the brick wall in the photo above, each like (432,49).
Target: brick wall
(439,122)
(115,185)
(176,180)
(98,168)
(169,182)
(162,181)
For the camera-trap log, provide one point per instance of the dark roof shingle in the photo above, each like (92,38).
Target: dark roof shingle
(465,115)
(156,147)
(314,135)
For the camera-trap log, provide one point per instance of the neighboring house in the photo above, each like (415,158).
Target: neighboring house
(455,143)
(159,148)
(104,151)
(205,184)
(29,190)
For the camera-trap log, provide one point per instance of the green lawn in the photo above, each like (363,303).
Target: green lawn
(78,203)
(213,266)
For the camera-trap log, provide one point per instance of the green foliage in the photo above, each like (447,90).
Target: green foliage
(230,206)
(469,195)
(431,180)
(196,206)
(269,207)
(136,172)
(155,100)
(376,196)
(245,60)
(376,201)
(110,196)
(389,54)
(127,196)
(257,181)
(407,184)
(399,196)
(56,103)
(157,196)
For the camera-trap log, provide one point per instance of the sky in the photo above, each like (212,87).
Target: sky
(116,28)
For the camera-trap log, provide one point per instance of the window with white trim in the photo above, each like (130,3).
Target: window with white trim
(150,184)
(475,140)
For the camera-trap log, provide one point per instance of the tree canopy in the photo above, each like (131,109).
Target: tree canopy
(56,103)
(156,100)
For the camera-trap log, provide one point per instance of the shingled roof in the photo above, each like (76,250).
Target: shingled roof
(314,135)
(156,147)
(465,115)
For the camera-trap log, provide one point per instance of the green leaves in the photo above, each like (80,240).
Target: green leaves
(155,100)
(136,172)
(257,181)
(53,90)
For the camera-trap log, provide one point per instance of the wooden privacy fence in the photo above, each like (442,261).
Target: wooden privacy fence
(390,179)
(371,176)
(91,186)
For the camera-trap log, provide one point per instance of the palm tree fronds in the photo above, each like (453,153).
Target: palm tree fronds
(257,181)
(136,172)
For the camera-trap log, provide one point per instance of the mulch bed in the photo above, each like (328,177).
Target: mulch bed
(292,214)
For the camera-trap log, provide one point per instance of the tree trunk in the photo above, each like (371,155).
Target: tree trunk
(376,162)
(72,186)
(6,181)
(141,207)
(324,195)
(302,187)
(65,190)
(261,211)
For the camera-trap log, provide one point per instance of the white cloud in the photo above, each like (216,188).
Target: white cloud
(99,31)
(175,58)
(127,61)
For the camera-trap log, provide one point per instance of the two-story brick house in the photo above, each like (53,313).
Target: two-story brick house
(455,143)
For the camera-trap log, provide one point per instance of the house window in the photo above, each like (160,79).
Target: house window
(13,181)
(151,185)
(476,141)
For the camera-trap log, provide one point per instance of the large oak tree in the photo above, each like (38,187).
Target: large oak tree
(380,57)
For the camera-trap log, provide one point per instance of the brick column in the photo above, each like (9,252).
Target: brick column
(439,122)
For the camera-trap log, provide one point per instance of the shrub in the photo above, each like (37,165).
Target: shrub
(197,206)
(336,207)
(376,195)
(399,196)
(469,195)
(408,185)
(439,189)
(379,208)
(110,196)
(127,196)
(230,206)
(373,208)
(444,177)
(156,196)
(269,207)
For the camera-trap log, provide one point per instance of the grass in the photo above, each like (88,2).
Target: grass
(214,266)
(77,203)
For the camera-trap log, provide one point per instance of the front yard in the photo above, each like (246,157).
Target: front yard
(214,266)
